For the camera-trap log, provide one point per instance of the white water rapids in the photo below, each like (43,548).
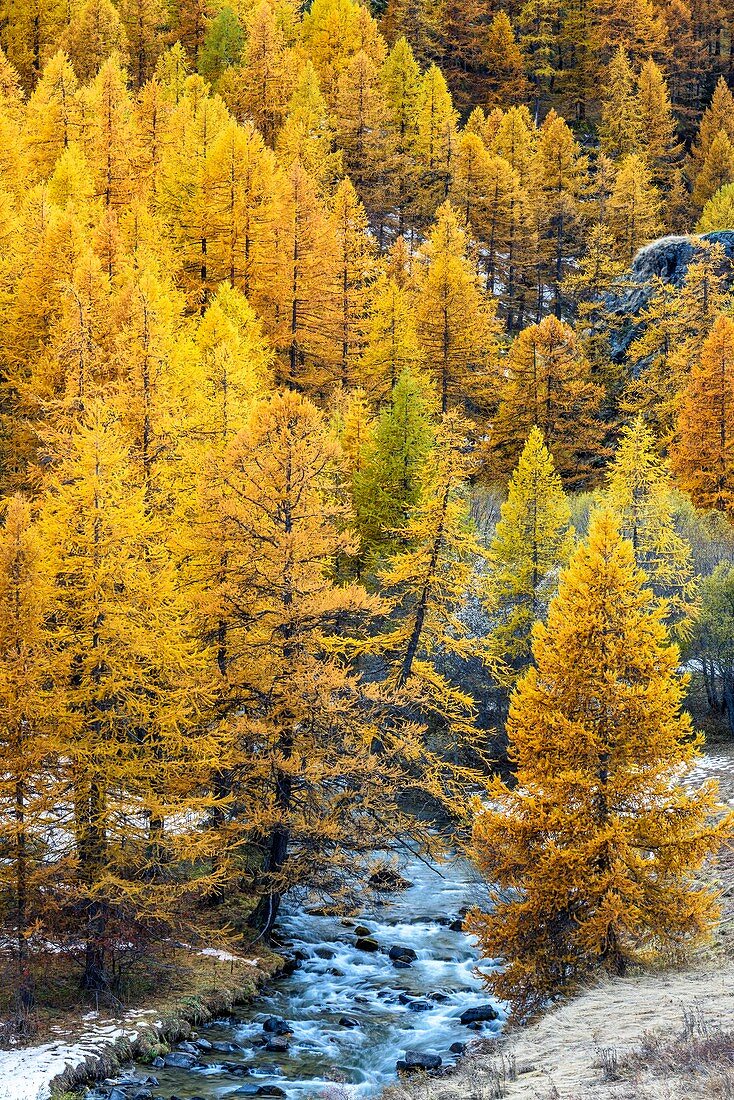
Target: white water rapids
(395,1009)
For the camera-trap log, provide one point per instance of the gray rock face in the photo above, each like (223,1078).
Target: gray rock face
(668,259)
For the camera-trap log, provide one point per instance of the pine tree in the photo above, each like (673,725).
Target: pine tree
(455,323)
(592,855)
(639,491)
(546,382)
(634,207)
(703,454)
(532,541)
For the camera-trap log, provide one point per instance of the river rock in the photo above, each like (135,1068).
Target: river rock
(274,1025)
(401,964)
(117,1094)
(388,879)
(398,953)
(479,1015)
(178,1059)
(362,930)
(271,1090)
(224,1048)
(324,953)
(188,1048)
(277,1045)
(246,1090)
(420,1006)
(158,1062)
(335,972)
(348,1021)
(366,943)
(417,1059)
(203,1044)
(457,1048)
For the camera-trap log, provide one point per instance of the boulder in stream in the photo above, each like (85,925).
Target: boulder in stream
(418,1060)
(366,943)
(398,953)
(387,879)
(479,1015)
(348,1021)
(362,930)
(275,1025)
(179,1059)
(278,1044)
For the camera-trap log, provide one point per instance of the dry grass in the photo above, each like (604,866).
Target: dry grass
(664,1034)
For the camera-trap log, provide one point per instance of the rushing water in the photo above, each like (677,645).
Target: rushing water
(394,1009)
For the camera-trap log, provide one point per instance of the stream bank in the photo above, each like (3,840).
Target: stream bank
(396,984)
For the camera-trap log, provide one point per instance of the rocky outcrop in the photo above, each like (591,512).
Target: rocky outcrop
(668,259)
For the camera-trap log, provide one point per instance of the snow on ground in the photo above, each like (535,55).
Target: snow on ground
(26,1073)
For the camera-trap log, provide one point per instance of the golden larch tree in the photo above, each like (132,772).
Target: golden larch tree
(593,853)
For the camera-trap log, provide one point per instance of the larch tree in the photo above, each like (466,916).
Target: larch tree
(136,756)
(621,129)
(402,88)
(455,321)
(387,485)
(355,264)
(546,382)
(702,456)
(531,543)
(634,207)
(505,83)
(94,35)
(593,853)
(716,170)
(427,581)
(561,176)
(391,339)
(718,213)
(31,731)
(639,491)
(658,131)
(435,142)
(310,790)
(718,117)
